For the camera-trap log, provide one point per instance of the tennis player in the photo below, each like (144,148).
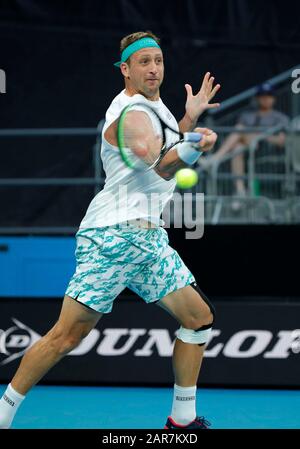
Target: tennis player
(126,245)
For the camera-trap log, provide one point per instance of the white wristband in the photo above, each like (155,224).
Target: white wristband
(187,153)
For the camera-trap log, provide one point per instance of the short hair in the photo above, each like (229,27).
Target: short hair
(127,40)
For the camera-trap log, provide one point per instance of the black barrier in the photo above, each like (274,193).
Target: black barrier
(252,344)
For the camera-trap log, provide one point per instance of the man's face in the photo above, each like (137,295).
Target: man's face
(265,102)
(145,70)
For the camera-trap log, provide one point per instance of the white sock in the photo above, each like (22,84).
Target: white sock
(184,404)
(9,404)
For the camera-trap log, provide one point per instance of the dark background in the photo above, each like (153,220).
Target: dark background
(92,367)
(58,58)
(58,55)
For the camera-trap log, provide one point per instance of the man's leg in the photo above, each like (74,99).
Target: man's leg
(193,312)
(74,323)
(238,169)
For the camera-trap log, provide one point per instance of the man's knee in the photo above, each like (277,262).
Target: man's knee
(206,312)
(64,340)
(197,328)
(204,317)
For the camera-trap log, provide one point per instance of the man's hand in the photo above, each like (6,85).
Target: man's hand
(208,140)
(171,162)
(196,104)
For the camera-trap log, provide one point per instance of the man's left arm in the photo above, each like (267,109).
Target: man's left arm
(196,104)
(279,139)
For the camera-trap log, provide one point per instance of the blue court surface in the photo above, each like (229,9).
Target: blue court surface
(49,407)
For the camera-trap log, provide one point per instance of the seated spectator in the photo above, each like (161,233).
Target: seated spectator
(263,116)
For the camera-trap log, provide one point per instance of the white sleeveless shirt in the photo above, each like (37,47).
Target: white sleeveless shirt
(129,194)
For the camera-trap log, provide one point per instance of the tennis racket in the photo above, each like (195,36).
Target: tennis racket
(144,138)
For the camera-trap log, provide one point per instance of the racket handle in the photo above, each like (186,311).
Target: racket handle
(192,137)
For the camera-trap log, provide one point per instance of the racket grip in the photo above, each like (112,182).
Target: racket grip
(192,137)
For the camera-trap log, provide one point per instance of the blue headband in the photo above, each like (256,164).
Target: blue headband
(136,46)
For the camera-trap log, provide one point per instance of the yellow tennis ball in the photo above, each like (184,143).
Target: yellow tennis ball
(186,178)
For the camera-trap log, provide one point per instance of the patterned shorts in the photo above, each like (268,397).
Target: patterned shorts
(111,258)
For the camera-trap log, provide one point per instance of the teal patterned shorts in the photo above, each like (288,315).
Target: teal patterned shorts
(111,258)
